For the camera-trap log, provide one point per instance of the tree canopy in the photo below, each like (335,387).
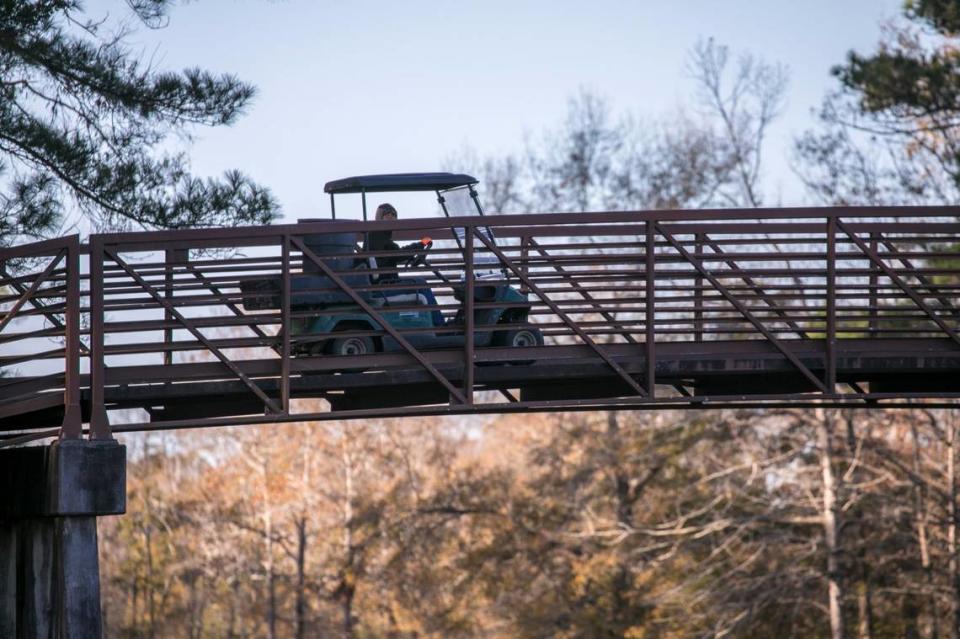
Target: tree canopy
(892,129)
(86,122)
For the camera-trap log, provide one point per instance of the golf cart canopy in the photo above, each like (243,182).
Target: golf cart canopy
(399,182)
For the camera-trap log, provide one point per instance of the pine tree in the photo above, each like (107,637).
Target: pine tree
(84,122)
(892,129)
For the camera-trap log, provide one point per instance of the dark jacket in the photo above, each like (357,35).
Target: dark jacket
(377,241)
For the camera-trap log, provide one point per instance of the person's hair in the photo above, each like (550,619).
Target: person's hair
(386,209)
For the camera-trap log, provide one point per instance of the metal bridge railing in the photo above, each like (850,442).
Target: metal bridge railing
(41,281)
(677,309)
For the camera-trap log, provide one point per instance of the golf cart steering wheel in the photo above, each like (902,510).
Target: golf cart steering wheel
(419,257)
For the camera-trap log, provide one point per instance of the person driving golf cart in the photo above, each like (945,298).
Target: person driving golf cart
(387,264)
(338,316)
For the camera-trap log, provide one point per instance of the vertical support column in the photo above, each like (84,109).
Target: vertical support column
(698,292)
(72,425)
(524,262)
(831,335)
(49,564)
(9,560)
(651,340)
(172,258)
(873,294)
(167,315)
(285,326)
(77,577)
(468,328)
(99,425)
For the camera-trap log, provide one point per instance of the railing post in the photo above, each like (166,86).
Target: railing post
(698,292)
(99,424)
(651,341)
(72,426)
(468,328)
(285,326)
(171,258)
(524,259)
(873,294)
(831,345)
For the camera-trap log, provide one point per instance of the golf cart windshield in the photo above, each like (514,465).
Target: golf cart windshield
(460,201)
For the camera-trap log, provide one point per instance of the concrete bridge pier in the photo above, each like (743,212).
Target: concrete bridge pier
(50,498)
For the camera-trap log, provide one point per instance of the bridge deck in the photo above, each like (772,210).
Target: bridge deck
(659,309)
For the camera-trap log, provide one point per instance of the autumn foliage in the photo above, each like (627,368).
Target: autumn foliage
(645,524)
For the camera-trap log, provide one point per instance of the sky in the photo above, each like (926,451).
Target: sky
(348,88)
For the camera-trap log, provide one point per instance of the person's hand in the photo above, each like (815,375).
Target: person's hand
(420,253)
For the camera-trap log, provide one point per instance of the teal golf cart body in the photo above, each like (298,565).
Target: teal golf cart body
(329,321)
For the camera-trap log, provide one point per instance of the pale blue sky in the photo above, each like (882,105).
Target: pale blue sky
(370,87)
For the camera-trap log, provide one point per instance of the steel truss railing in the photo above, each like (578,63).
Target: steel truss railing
(852,307)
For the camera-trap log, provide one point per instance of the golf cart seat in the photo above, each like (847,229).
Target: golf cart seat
(404,298)
(306,291)
(312,288)
(319,290)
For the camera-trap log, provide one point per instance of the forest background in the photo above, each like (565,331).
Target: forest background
(633,524)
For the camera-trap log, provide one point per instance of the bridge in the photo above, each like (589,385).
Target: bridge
(842,307)
(669,309)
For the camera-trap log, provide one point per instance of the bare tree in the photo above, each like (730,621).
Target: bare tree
(831,524)
(744,102)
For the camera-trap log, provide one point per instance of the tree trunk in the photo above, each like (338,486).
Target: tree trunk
(952,525)
(349,578)
(864,609)
(831,528)
(151,599)
(301,609)
(621,478)
(348,612)
(271,578)
(134,608)
(862,569)
(232,616)
(923,538)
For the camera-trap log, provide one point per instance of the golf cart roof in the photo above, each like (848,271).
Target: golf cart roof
(399,182)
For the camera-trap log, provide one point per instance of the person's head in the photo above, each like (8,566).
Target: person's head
(386,212)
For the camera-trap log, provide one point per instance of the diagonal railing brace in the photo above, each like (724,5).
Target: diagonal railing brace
(896,279)
(582,291)
(40,306)
(563,316)
(743,309)
(25,297)
(749,281)
(384,324)
(187,324)
(923,279)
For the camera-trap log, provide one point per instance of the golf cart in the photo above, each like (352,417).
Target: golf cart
(329,321)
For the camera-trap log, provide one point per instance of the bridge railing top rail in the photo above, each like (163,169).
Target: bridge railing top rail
(512,225)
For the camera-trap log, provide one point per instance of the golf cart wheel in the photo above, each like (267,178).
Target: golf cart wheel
(519,338)
(351,346)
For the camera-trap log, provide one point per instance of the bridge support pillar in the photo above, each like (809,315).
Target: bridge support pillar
(50,498)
